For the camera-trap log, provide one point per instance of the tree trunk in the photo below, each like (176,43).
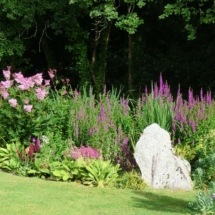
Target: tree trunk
(94,53)
(130,81)
(105,53)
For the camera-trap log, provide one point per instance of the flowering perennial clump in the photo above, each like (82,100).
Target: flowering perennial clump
(9,89)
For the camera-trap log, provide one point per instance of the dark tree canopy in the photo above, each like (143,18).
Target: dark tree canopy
(112,43)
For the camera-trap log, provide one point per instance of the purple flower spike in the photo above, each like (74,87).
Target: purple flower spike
(161,86)
(37,145)
(201,95)
(146,90)
(119,135)
(190,98)
(102,114)
(155,90)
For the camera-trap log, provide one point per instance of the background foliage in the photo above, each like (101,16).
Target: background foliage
(111,43)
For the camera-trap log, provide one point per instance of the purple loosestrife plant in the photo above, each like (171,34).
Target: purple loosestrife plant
(126,158)
(156,108)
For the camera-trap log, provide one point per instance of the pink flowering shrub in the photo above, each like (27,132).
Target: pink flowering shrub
(85,153)
(22,105)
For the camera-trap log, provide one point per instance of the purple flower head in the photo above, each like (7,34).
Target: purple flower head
(208,98)
(173,126)
(125,143)
(190,98)
(193,126)
(143,99)
(161,86)
(109,105)
(203,109)
(166,90)
(91,131)
(155,90)
(37,145)
(76,131)
(31,150)
(80,113)
(102,113)
(201,95)
(119,135)
(146,90)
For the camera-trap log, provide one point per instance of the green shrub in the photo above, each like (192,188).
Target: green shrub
(204,171)
(99,173)
(131,180)
(205,203)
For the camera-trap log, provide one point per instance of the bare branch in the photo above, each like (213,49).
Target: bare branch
(44,32)
(116,7)
(35,33)
(42,37)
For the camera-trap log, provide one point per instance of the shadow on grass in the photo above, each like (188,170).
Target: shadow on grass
(160,203)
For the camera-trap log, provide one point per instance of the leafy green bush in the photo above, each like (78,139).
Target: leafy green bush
(99,173)
(204,171)
(131,180)
(67,170)
(205,203)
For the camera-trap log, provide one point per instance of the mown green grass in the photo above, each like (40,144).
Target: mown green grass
(31,196)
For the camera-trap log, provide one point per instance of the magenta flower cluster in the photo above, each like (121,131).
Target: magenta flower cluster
(85,153)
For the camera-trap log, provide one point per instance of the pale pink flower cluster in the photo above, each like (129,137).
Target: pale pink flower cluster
(7,84)
(41,93)
(6,74)
(24,83)
(13,102)
(26,101)
(38,78)
(28,108)
(51,73)
(47,82)
(4,94)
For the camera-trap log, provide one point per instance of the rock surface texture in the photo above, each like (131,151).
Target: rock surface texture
(159,165)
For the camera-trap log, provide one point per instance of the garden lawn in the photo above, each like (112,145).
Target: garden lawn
(29,196)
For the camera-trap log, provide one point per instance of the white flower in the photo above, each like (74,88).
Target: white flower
(45,139)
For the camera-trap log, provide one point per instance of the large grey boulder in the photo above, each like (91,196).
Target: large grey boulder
(159,165)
